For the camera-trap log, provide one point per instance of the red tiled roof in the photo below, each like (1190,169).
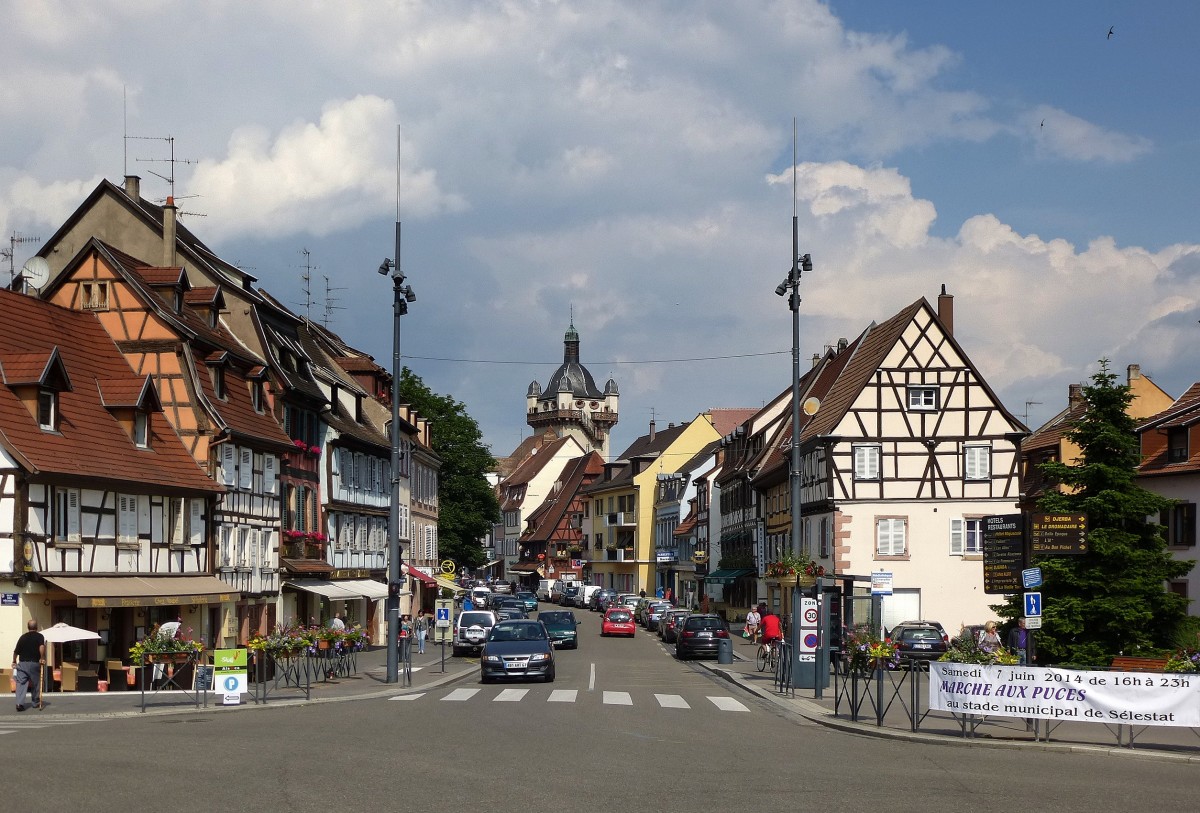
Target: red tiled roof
(26,368)
(157,277)
(89,442)
(725,420)
(124,392)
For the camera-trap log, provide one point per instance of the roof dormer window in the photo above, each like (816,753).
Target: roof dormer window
(141,429)
(47,416)
(218,381)
(257,395)
(93,296)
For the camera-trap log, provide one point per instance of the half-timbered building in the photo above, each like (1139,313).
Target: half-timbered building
(554,540)
(214,393)
(905,453)
(105,517)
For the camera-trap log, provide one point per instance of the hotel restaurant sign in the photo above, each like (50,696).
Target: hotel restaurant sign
(156,601)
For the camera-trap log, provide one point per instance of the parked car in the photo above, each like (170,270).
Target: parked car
(629,600)
(586,591)
(530,599)
(668,627)
(544,589)
(700,635)
(517,649)
(654,614)
(570,595)
(618,621)
(511,612)
(919,640)
(562,627)
(501,587)
(603,598)
(471,630)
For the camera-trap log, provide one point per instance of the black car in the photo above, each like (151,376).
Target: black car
(919,640)
(602,598)
(570,596)
(517,649)
(562,627)
(700,635)
(507,602)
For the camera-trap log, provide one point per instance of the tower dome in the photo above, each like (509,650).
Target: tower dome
(571,376)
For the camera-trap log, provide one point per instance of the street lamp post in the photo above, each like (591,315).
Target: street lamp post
(401,295)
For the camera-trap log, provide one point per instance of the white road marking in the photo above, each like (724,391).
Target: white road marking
(461,694)
(728,704)
(563,696)
(592,679)
(416,696)
(510,696)
(671,701)
(618,699)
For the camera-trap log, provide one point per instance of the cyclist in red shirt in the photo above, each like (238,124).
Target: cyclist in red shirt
(771,630)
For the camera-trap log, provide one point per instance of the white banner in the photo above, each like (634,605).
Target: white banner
(1137,698)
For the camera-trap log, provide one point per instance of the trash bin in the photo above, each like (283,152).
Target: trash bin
(724,650)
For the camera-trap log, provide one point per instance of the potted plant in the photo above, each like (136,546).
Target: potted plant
(161,646)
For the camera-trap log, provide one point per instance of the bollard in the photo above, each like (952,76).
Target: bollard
(725,650)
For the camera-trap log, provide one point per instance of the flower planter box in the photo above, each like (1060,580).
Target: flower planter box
(168,657)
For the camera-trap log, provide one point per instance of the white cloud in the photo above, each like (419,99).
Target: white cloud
(1058,134)
(318,178)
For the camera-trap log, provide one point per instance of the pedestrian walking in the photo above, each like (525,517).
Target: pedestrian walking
(1021,643)
(422,629)
(989,642)
(29,659)
(753,619)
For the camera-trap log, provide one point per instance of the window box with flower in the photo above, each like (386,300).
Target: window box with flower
(790,566)
(174,645)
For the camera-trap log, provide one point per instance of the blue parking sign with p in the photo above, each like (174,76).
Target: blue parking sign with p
(1033,605)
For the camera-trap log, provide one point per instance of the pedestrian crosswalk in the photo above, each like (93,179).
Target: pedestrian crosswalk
(607,698)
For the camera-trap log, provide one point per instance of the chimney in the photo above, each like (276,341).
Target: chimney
(651,430)
(133,187)
(816,360)
(946,310)
(1074,394)
(169,234)
(842,345)
(1132,373)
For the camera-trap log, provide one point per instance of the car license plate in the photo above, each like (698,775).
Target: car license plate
(705,634)
(517,665)
(922,646)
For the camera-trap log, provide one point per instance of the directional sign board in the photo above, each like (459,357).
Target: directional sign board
(1058,534)
(1033,605)
(1003,553)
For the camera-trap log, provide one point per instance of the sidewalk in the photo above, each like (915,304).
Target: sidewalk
(1168,743)
(369,681)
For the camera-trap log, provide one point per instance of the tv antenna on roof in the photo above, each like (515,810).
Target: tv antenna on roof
(10,253)
(1028,404)
(172,160)
(330,303)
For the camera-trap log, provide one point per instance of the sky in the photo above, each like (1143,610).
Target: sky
(629,165)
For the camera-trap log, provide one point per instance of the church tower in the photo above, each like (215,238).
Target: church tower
(571,404)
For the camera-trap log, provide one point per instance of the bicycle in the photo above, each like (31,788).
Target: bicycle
(768,655)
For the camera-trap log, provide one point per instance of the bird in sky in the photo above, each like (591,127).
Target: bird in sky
(1043,124)
(1110,31)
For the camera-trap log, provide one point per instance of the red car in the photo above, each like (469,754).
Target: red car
(618,621)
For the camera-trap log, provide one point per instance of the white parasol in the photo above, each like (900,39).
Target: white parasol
(62,633)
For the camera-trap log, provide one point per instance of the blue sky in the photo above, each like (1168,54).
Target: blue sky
(633,161)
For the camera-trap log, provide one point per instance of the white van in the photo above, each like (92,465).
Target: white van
(544,589)
(586,591)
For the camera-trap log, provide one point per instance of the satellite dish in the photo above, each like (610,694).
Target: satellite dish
(35,272)
(810,406)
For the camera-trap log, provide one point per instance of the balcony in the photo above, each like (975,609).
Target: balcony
(620,555)
(621,519)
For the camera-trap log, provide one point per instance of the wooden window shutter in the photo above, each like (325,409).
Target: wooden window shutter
(957,537)
(245,469)
(73,531)
(270,480)
(196,522)
(228,465)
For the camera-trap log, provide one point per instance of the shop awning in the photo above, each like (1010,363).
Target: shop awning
(423,578)
(449,585)
(727,576)
(366,588)
(526,567)
(145,591)
(492,564)
(350,589)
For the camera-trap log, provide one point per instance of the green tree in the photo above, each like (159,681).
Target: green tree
(1112,599)
(467,506)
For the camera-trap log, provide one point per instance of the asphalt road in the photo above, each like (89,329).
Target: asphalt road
(624,727)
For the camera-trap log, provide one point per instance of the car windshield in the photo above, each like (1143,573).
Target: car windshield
(525,595)
(510,631)
(695,623)
(622,616)
(471,619)
(556,618)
